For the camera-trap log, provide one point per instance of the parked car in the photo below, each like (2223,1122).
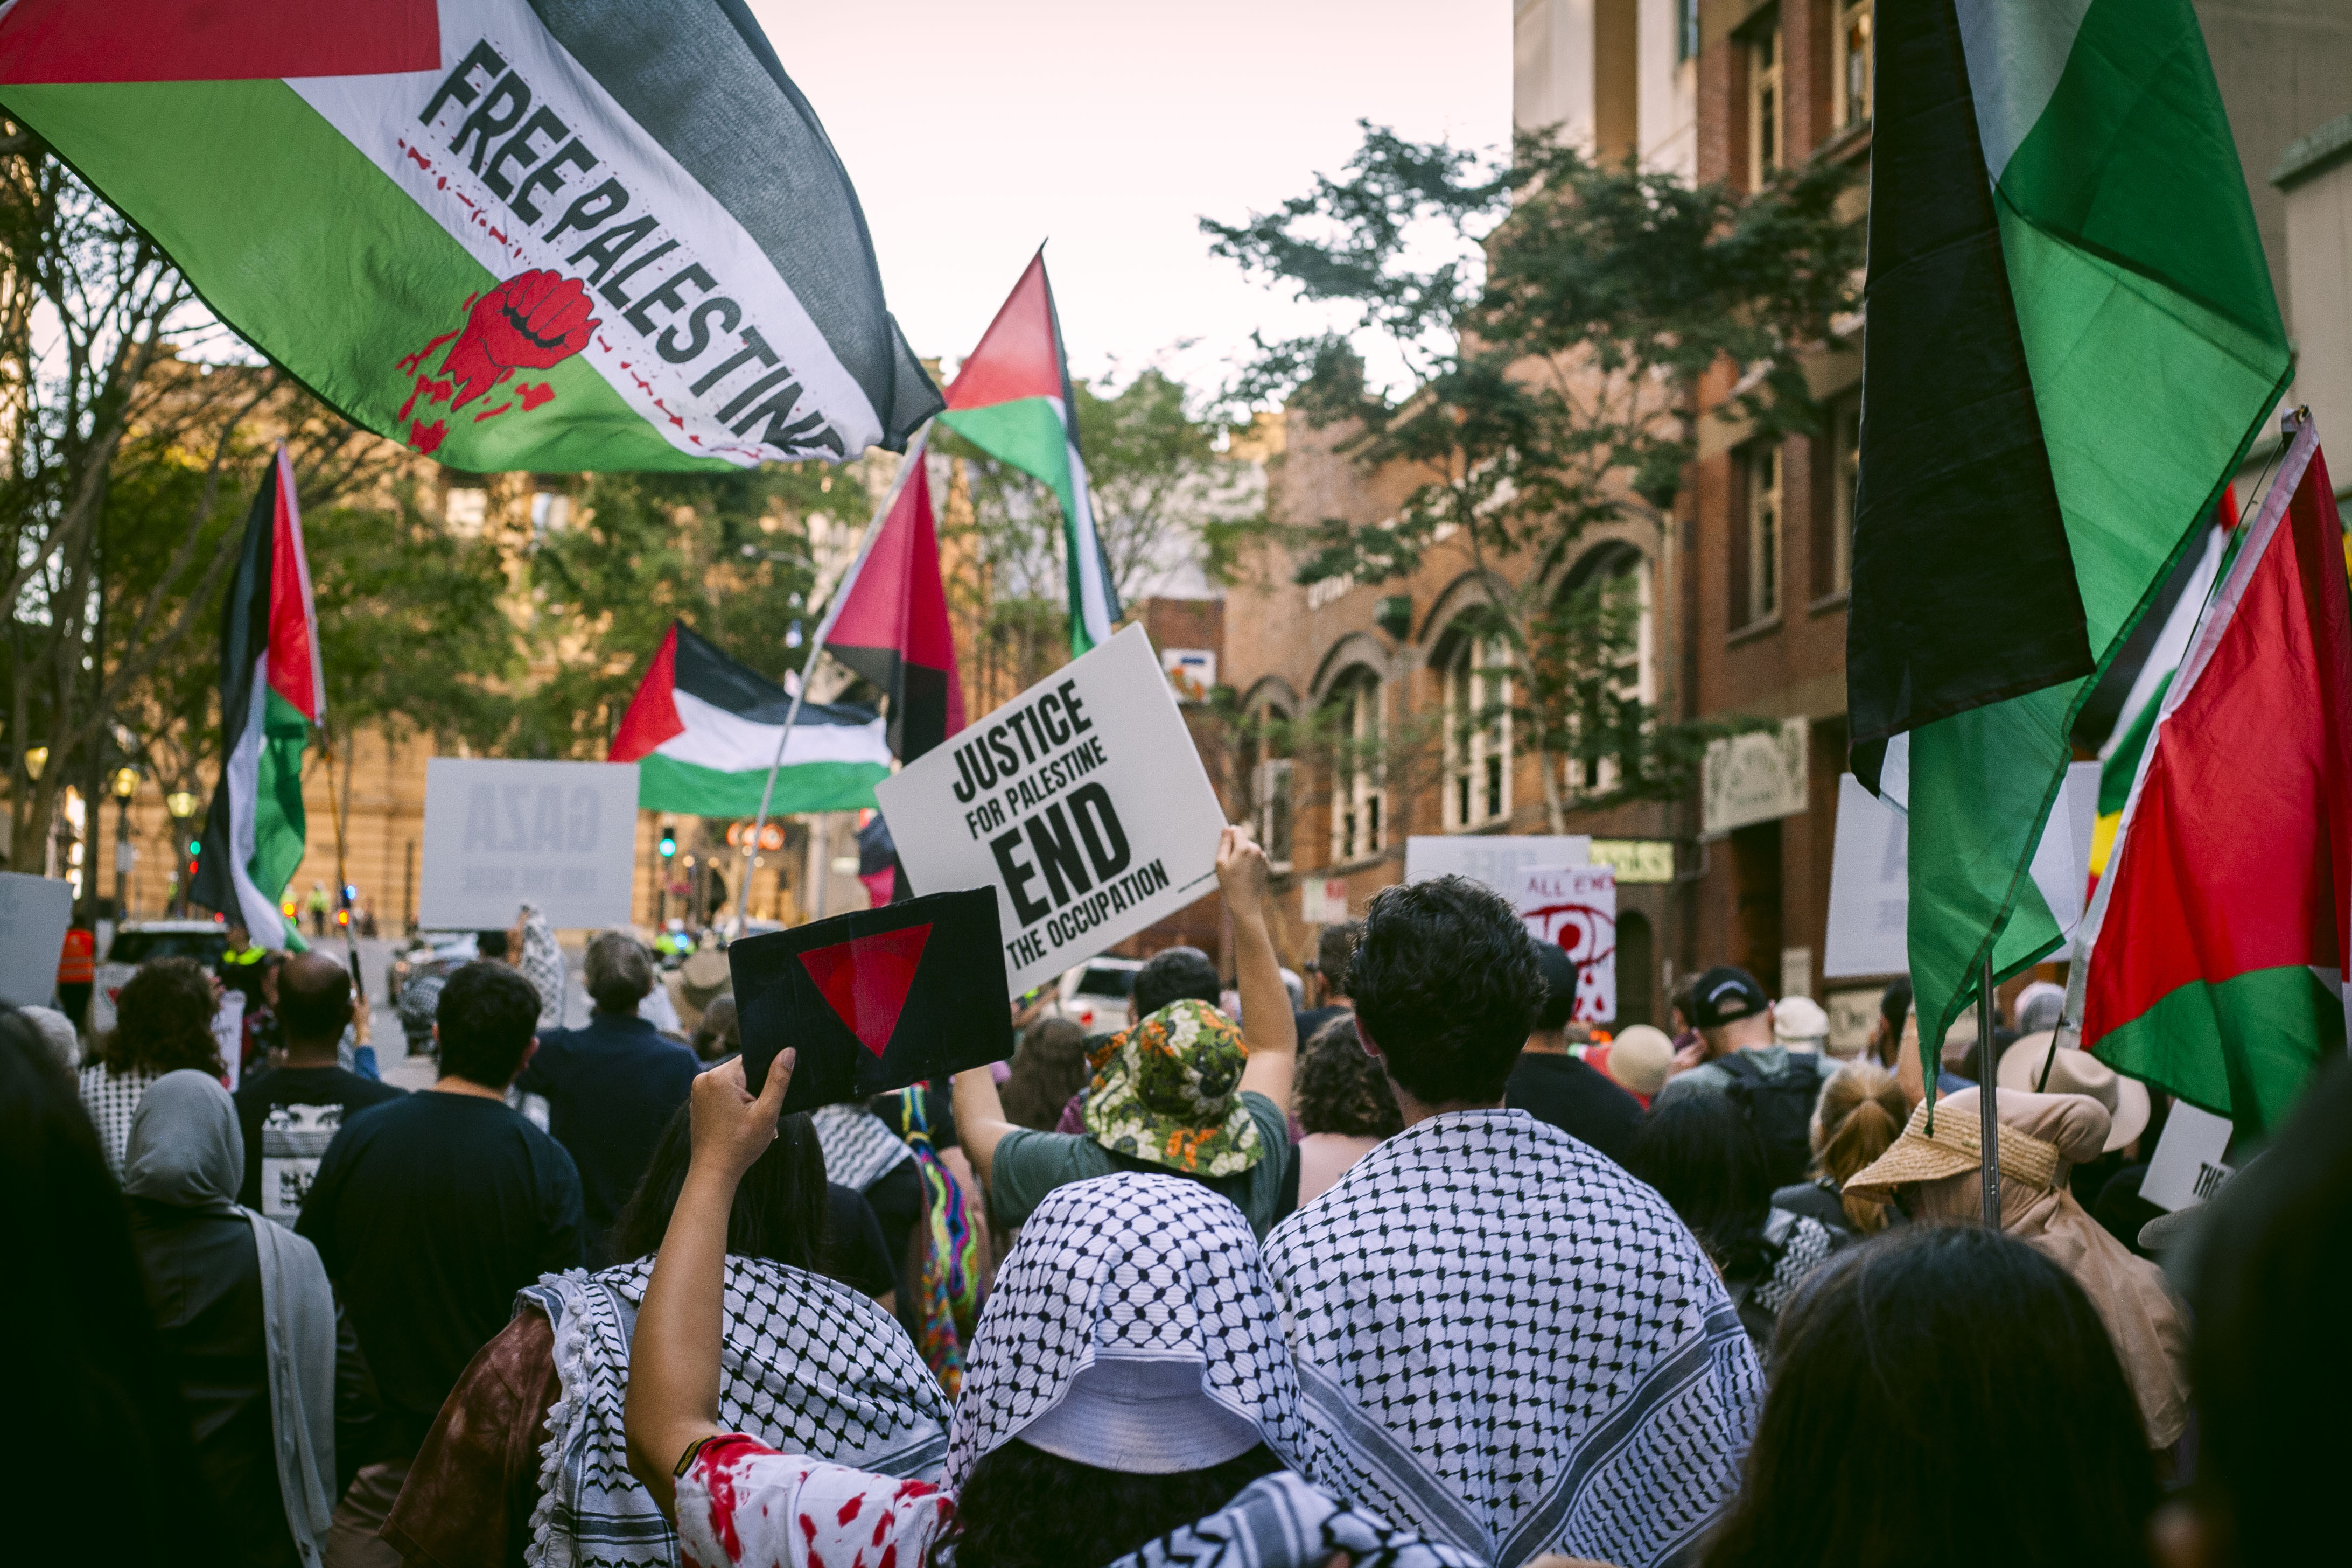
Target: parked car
(135,943)
(1094,994)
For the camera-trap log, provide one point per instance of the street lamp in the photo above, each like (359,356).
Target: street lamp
(36,759)
(126,785)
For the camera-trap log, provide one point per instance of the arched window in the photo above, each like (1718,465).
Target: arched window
(1358,798)
(1267,772)
(1478,734)
(1608,647)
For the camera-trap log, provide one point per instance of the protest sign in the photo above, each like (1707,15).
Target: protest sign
(34,913)
(1496,859)
(228,1033)
(499,835)
(1870,888)
(875,1000)
(1082,803)
(2188,1165)
(1576,906)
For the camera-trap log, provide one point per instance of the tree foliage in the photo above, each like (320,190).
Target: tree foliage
(1554,319)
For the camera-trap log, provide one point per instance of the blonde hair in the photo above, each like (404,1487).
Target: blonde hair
(1859,1117)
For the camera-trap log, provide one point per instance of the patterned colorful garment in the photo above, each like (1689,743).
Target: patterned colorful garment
(947,1285)
(807,1365)
(1505,1341)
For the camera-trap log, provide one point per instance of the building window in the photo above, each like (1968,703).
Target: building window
(1619,679)
(1763,532)
(1763,106)
(1685,30)
(1272,780)
(1477,734)
(1853,63)
(1845,458)
(1357,800)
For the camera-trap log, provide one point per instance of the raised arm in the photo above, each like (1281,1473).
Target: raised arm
(673,1398)
(980,1120)
(1268,1027)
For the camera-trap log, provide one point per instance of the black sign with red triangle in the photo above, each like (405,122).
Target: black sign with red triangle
(875,1000)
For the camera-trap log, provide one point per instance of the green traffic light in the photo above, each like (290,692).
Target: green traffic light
(196,847)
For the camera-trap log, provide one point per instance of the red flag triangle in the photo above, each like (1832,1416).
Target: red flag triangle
(865,979)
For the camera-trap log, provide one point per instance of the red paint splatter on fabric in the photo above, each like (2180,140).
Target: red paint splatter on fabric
(718,1479)
(889,1556)
(881,1527)
(426,437)
(912,1489)
(409,363)
(532,397)
(494,413)
(420,160)
(850,1510)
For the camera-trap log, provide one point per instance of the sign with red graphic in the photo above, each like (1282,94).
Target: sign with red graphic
(875,1000)
(1576,906)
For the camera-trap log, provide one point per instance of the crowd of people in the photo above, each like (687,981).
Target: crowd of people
(1405,1265)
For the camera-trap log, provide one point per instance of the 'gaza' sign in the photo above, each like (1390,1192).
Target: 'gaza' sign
(1082,802)
(561,836)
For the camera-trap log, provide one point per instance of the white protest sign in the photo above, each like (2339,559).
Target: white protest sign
(2187,1168)
(1869,889)
(1082,802)
(1576,906)
(228,1033)
(499,835)
(34,913)
(1496,859)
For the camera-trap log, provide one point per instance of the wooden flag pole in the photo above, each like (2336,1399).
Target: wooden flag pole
(1989,1155)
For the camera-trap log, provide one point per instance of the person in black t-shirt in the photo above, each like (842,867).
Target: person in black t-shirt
(1555,1086)
(432,1210)
(291,1113)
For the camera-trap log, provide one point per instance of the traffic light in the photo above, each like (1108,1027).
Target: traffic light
(669,841)
(196,847)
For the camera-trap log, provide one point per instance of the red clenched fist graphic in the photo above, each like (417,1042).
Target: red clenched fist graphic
(530,322)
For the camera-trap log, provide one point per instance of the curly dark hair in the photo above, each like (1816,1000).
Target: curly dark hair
(1048,1067)
(1445,983)
(1025,1508)
(163,1020)
(1341,1088)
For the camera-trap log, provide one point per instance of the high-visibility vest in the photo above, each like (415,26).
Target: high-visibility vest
(78,964)
(251,955)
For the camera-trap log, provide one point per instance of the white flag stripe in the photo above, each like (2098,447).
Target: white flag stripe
(729,742)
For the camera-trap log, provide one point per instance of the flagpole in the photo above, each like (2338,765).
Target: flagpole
(914,451)
(1988,1096)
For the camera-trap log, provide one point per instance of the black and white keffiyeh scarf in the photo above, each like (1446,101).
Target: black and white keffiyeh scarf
(1280,1521)
(859,1147)
(808,1367)
(1129,1263)
(1505,1340)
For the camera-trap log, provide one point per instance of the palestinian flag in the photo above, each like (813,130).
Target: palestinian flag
(703,728)
(2119,758)
(890,624)
(1012,400)
(2223,935)
(602,235)
(273,692)
(2072,341)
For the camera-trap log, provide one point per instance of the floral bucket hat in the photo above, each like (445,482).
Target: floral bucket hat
(1169,1091)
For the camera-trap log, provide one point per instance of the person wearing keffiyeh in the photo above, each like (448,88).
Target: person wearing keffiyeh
(1502,1338)
(1128,1399)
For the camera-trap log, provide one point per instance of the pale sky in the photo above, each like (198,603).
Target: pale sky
(973,128)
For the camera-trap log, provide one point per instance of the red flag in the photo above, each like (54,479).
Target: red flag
(2218,965)
(893,626)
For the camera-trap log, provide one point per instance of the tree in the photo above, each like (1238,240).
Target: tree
(1553,349)
(730,554)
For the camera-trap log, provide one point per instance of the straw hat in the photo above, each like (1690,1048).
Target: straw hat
(1954,1148)
(2078,1073)
(1638,1060)
(1798,1022)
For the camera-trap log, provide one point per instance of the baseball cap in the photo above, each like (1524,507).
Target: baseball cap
(1725,995)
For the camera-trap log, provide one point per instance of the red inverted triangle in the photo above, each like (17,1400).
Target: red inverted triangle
(866,979)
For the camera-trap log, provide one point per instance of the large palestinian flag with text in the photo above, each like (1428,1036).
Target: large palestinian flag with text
(273,693)
(703,729)
(2073,342)
(2222,933)
(561,235)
